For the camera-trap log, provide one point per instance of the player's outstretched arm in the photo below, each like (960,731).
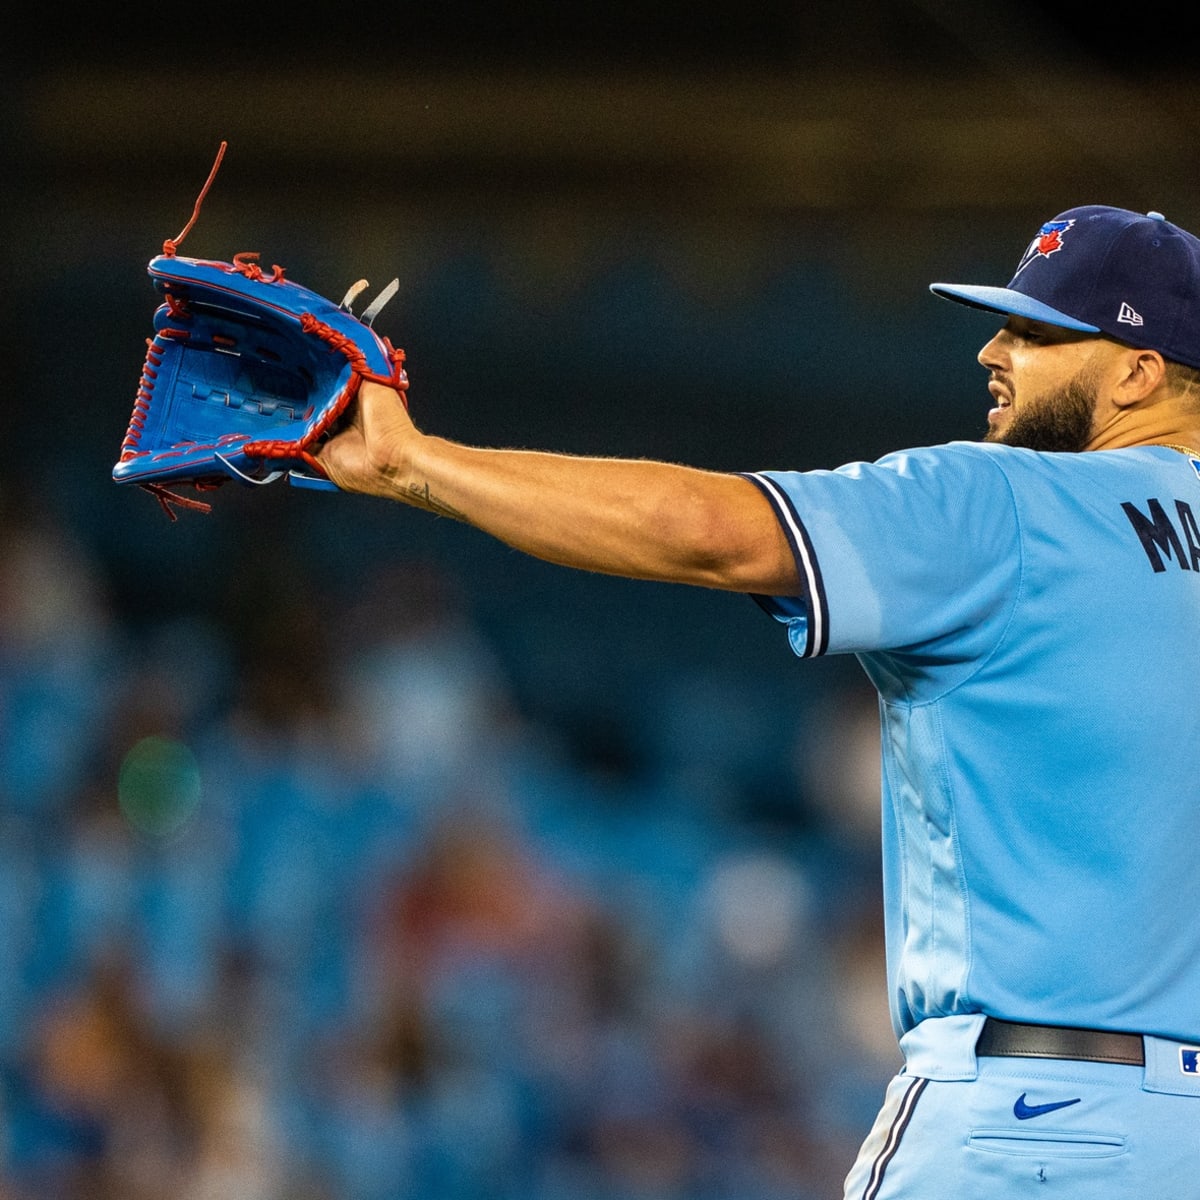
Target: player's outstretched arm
(632,517)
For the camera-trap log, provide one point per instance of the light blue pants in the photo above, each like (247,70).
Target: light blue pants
(954,1127)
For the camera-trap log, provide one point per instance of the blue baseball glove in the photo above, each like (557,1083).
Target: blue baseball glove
(247,372)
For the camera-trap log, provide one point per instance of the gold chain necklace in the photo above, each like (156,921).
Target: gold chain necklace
(1182,449)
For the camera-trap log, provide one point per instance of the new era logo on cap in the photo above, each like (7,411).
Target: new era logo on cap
(1096,269)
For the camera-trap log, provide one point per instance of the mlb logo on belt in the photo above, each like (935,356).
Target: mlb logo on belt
(1189,1060)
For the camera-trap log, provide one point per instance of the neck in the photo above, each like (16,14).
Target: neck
(1148,427)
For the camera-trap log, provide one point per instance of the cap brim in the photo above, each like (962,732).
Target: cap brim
(1005,300)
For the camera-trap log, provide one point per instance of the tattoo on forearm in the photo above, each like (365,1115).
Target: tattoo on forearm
(420,496)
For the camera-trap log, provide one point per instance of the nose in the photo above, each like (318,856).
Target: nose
(991,354)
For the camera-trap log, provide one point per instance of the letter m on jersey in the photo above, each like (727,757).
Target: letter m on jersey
(1159,536)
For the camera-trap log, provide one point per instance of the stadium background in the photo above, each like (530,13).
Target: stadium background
(346,855)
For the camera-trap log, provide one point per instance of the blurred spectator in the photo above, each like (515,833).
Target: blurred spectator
(426,706)
(103,1115)
(58,645)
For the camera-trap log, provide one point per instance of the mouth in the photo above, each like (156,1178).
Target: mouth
(1002,398)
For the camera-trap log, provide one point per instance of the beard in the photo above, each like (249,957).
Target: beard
(1060,420)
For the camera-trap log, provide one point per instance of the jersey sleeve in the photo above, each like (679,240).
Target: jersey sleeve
(918,553)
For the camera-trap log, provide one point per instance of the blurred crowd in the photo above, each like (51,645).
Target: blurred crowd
(296,908)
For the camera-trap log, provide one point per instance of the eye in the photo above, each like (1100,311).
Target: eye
(1037,334)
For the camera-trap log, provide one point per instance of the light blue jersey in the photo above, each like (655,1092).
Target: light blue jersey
(1032,624)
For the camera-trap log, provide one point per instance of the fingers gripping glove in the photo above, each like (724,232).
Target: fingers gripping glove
(247,372)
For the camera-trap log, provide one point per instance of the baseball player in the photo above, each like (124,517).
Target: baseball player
(1027,607)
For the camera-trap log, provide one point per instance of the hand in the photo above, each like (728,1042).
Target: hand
(369,454)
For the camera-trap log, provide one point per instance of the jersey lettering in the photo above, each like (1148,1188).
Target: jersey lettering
(1158,536)
(1190,532)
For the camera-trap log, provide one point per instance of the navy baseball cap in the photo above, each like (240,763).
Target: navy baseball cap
(1132,276)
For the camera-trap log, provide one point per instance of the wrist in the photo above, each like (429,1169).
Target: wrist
(413,477)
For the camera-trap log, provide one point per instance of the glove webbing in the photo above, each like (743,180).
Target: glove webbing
(267,448)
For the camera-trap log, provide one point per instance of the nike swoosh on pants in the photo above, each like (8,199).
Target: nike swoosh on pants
(1023,1111)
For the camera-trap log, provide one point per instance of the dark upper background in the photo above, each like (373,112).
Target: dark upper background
(702,232)
(913,34)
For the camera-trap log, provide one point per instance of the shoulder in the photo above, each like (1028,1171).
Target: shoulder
(955,477)
(950,468)
(1018,465)
(945,456)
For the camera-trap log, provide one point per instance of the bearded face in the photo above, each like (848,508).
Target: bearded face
(1058,419)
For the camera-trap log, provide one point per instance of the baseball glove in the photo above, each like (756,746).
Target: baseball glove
(245,375)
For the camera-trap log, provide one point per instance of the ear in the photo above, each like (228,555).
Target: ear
(1140,374)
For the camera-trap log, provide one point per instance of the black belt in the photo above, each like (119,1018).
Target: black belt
(1006,1039)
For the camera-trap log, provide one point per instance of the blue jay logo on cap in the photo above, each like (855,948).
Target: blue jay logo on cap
(1048,241)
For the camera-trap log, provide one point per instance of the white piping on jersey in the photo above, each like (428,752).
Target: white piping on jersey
(800,542)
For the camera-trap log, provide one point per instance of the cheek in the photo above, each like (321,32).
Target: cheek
(1032,378)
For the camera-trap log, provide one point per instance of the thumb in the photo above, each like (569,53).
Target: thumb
(369,448)
(381,414)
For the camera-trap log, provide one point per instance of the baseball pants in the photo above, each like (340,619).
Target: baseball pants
(956,1126)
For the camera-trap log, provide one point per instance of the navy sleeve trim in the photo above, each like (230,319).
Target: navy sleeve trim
(806,562)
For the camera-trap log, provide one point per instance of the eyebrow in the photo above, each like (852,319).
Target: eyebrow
(1019,325)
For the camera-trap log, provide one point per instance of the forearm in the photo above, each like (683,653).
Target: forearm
(630,517)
